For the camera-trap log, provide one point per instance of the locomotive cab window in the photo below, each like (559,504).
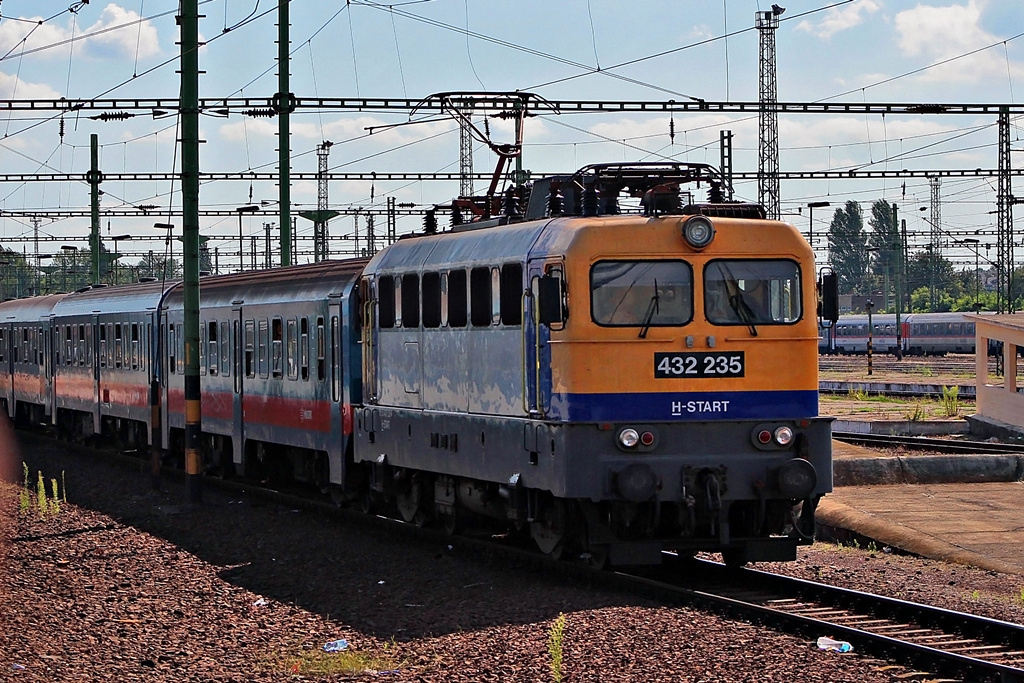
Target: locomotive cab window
(512,294)
(752,292)
(641,293)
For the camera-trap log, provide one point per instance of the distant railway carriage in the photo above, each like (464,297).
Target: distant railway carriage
(619,380)
(921,334)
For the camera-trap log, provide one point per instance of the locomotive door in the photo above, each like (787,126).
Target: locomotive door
(536,361)
(369,338)
(238,339)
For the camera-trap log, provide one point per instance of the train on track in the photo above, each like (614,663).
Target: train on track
(932,334)
(620,371)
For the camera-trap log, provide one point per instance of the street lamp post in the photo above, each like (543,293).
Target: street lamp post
(810,228)
(241,239)
(117,256)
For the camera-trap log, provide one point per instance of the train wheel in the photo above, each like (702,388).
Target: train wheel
(549,532)
(409,505)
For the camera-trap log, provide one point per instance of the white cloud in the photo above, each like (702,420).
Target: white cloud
(12,87)
(119,42)
(935,34)
(840,19)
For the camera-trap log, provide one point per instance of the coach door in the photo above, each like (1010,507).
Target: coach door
(238,347)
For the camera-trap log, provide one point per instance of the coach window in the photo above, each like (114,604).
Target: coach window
(480,297)
(752,292)
(3,345)
(431,299)
(135,346)
(321,342)
(411,300)
(641,293)
(277,348)
(146,348)
(511,294)
(225,350)
(386,301)
(172,349)
(457,298)
(250,348)
(304,349)
(69,345)
(292,347)
(35,346)
(103,346)
(181,349)
(264,341)
(213,347)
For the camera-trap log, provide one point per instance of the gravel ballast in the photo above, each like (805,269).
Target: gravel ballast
(126,584)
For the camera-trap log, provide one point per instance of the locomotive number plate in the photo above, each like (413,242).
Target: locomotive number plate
(698,364)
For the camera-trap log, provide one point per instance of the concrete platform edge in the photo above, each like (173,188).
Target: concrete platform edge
(835,514)
(927,469)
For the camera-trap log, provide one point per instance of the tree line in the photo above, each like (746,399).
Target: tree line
(868,262)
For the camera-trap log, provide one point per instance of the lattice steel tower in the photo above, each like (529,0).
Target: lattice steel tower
(935,234)
(768,142)
(466,150)
(320,250)
(1004,211)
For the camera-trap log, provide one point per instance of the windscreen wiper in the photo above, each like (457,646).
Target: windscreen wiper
(652,308)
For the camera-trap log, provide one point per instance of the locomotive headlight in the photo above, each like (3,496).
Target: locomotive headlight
(698,232)
(629,438)
(797,478)
(783,436)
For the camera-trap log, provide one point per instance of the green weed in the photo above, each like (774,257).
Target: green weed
(55,503)
(917,415)
(41,501)
(555,641)
(951,401)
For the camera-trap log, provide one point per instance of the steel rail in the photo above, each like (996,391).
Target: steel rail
(927,444)
(786,603)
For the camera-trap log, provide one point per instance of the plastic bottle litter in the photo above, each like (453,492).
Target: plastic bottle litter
(826,643)
(336,645)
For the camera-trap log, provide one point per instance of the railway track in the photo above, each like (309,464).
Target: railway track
(936,641)
(921,443)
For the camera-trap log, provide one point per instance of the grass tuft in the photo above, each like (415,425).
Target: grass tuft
(555,642)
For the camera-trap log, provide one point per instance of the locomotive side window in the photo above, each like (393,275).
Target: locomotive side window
(250,346)
(304,349)
(213,355)
(292,344)
(411,300)
(641,293)
(225,350)
(480,297)
(512,294)
(457,298)
(386,301)
(752,292)
(432,300)
(321,359)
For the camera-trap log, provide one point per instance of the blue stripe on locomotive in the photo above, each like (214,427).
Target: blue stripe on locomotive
(685,406)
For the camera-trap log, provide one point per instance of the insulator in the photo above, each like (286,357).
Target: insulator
(62,128)
(456,215)
(556,202)
(609,205)
(260,112)
(510,203)
(430,222)
(672,130)
(487,128)
(715,194)
(113,116)
(591,199)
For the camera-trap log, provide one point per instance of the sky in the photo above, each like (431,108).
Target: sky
(845,51)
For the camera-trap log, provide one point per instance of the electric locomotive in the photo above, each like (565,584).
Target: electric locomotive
(617,380)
